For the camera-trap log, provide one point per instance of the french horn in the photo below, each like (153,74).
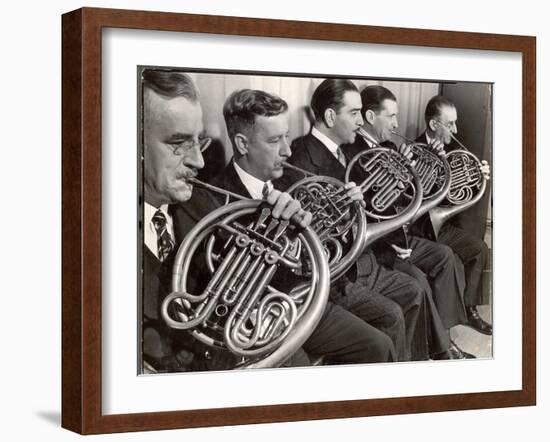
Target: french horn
(434,172)
(467,185)
(392,188)
(336,219)
(246,304)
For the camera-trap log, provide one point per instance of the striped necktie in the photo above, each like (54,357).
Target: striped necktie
(265,191)
(165,243)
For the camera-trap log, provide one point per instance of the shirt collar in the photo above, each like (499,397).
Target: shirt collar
(254,185)
(327,142)
(428,138)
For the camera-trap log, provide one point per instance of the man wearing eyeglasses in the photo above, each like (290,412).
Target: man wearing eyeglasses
(172,144)
(369,289)
(441,118)
(433,264)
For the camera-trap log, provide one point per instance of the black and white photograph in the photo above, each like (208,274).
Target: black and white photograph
(275,221)
(301,220)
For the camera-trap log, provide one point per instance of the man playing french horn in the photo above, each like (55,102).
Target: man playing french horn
(431,264)
(371,291)
(172,155)
(441,118)
(258,126)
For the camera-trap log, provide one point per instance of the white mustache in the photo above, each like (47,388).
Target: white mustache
(191,174)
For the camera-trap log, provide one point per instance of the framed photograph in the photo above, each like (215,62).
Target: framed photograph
(195,295)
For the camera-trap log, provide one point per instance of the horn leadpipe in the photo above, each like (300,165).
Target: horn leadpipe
(216,189)
(406,139)
(452,135)
(306,173)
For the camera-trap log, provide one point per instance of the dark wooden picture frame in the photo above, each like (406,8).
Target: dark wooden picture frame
(81,217)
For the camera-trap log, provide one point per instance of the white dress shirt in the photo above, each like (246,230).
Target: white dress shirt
(428,138)
(254,185)
(150,233)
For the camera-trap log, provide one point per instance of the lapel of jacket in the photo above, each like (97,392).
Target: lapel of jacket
(189,213)
(325,163)
(150,259)
(351,150)
(422,138)
(232,181)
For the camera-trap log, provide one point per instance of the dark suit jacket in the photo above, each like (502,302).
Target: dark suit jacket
(422,138)
(228,179)
(358,146)
(161,344)
(311,154)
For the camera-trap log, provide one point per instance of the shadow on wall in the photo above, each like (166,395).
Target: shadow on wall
(52,417)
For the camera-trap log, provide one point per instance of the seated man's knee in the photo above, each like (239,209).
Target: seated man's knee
(476,250)
(445,254)
(418,287)
(424,284)
(395,314)
(380,348)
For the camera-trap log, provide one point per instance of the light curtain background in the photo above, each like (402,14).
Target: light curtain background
(214,88)
(473,101)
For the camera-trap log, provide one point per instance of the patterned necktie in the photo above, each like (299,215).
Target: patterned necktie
(165,243)
(341,157)
(265,191)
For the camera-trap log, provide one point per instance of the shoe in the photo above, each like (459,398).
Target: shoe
(477,323)
(453,352)
(447,354)
(459,353)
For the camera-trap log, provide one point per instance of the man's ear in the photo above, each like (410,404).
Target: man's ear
(330,117)
(241,144)
(370,115)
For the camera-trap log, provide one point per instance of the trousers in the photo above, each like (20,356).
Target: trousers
(437,336)
(445,274)
(343,338)
(389,300)
(473,253)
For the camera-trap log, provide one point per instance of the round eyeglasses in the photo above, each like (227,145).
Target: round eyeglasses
(182,148)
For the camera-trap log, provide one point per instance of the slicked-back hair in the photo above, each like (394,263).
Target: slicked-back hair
(170,84)
(434,106)
(373,96)
(330,95)
(243,106)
